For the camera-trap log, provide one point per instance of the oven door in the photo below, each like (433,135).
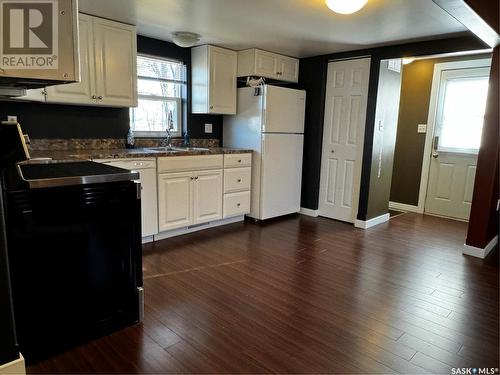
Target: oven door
(75,256)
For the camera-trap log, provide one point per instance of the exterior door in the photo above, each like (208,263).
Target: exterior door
(207,192)
(343,135)
(457,136)
(175,200)
(83,92)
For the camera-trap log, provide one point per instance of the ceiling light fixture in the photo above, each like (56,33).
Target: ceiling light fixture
(346,6)
(185,39)
(408,60)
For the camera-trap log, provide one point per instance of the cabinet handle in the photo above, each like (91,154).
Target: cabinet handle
(211,107)
(239,179)
(239,161)
(196,178)
(238,204)
(93,97)
(100,97)
(192,178)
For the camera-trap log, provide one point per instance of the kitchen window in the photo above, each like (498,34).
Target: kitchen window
(161,84)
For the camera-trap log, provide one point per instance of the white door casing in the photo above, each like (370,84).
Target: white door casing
(452,167)
(343,136)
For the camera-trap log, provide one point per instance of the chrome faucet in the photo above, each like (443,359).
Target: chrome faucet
(170,126)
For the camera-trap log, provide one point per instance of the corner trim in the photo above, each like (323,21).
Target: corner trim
(405,207)
(479,252)
(15,367)
(372,222)
(309,212)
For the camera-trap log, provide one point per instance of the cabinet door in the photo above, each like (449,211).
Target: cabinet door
(116,60)
(222,81)
(288,69)
(149,203)
(207,193)
(82,92)
(266,64)
(175,198)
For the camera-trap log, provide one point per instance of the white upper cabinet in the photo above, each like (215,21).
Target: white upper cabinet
(213,80)
(108,58)
(116,63)
(82,92)
(256,62)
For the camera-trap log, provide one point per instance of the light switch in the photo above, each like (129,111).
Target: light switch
(208,128)
(422,128)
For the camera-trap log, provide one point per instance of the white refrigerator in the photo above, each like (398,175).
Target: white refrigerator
(270,121)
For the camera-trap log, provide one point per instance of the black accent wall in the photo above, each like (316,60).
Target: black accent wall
(8,345)
(313,73)
(43,120)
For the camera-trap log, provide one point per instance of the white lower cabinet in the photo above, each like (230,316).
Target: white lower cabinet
(204,189)
(207,200)
(175,200)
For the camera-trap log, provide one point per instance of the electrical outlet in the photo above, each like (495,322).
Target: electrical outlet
(11,118)
(422,128)
(208,128)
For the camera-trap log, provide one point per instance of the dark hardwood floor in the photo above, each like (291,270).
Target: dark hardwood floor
(305,295)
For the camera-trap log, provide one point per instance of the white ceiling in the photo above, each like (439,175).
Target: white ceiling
(297,28)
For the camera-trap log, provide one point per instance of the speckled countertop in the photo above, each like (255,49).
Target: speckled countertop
(123,153)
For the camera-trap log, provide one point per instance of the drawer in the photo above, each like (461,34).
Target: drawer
(130,163)
(189,163)
(237,179)
(236,204)
(237,160)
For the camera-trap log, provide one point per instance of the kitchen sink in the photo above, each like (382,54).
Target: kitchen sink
(163,149)
(176,149)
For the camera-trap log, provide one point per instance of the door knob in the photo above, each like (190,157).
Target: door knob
(435,155)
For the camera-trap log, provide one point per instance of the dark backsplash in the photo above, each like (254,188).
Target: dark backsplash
(42,120)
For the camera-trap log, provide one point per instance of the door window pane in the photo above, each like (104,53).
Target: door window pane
(463,113)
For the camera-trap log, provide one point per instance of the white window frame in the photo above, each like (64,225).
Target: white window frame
(431,120)
(179,101)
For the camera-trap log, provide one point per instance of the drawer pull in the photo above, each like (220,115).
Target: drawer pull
(238,204)
(239,161)
(239,179)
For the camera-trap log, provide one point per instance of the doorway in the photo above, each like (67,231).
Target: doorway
(443,100)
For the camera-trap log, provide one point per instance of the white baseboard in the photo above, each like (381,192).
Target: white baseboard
(405,207)
(309,212)
(16,367)
(372,222)
(477,251)
(196,228)
(148,239)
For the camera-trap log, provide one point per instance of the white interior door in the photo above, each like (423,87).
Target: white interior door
(457,136)
(343,135)
(281,180)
